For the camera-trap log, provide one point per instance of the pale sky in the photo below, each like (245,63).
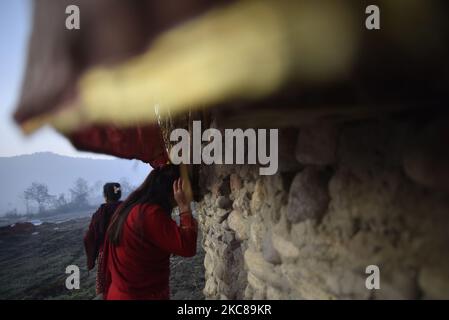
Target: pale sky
(15,21)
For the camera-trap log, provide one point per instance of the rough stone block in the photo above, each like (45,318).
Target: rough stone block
(263,270)
(317,144)
(258,197)
(269,252)
(426,158)
(257,284)
(308,196)
(274,294)
(287,143)
(224,202)
(248,293)
(257,231)
(285,248)
(235,182)
(210,289)
(238,224)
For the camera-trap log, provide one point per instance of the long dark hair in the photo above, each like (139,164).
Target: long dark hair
(156,189)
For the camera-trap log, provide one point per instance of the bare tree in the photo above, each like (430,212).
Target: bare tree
(61,201)
(96,189)
(37,192)
(80,193)
(24,197)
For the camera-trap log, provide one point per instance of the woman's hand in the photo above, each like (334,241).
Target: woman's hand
(180,195)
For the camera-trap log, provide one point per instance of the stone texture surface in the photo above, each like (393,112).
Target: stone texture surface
(426,158)
(237,223)
(317,144)
(286,151)
(269,252)
(309,197)
(311,233)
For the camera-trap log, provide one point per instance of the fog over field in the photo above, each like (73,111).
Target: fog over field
(59,173)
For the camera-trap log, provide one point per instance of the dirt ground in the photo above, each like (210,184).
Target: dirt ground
(33,262)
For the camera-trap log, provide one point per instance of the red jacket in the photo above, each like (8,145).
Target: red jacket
(139,267)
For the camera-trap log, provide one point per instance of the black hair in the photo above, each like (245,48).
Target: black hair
(156,189)
(112,191)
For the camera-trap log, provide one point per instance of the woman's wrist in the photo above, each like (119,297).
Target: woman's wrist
(184,209)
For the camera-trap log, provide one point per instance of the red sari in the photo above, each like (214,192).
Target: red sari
(139,268)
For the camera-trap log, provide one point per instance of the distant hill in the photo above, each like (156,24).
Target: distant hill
(59,173)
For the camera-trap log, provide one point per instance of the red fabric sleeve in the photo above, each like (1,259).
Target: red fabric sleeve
(166,234)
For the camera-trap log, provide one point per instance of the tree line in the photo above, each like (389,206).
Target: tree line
(38,194)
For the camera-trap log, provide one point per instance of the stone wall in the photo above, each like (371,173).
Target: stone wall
(341,201)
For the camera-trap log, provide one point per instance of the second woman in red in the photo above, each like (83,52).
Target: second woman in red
(142,236)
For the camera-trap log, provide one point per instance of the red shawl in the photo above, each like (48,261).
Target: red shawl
(140,142)
(139,267)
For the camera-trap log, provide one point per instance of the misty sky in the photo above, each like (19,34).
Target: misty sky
(15,21)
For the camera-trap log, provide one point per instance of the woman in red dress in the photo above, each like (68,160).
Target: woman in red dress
(95,235)
(142,236)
